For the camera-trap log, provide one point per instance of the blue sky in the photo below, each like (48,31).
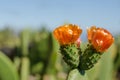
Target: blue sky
(33,13)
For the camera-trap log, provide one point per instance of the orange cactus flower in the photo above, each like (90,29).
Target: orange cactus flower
(100,38)
(67,34)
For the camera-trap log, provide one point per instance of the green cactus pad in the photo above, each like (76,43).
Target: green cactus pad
(89,58)
(70,55)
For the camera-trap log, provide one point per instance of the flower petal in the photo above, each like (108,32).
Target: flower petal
(100,38)
(67,34)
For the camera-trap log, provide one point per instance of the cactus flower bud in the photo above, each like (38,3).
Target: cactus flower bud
(78,42)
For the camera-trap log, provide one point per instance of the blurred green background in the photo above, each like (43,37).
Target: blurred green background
(34,55)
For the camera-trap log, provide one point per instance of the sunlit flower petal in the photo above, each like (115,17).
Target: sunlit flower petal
(100,38)
(67,34)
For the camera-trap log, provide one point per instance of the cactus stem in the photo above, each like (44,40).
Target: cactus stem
(76,74)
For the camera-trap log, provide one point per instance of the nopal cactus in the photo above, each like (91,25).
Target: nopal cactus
(70,55)
(67,36)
